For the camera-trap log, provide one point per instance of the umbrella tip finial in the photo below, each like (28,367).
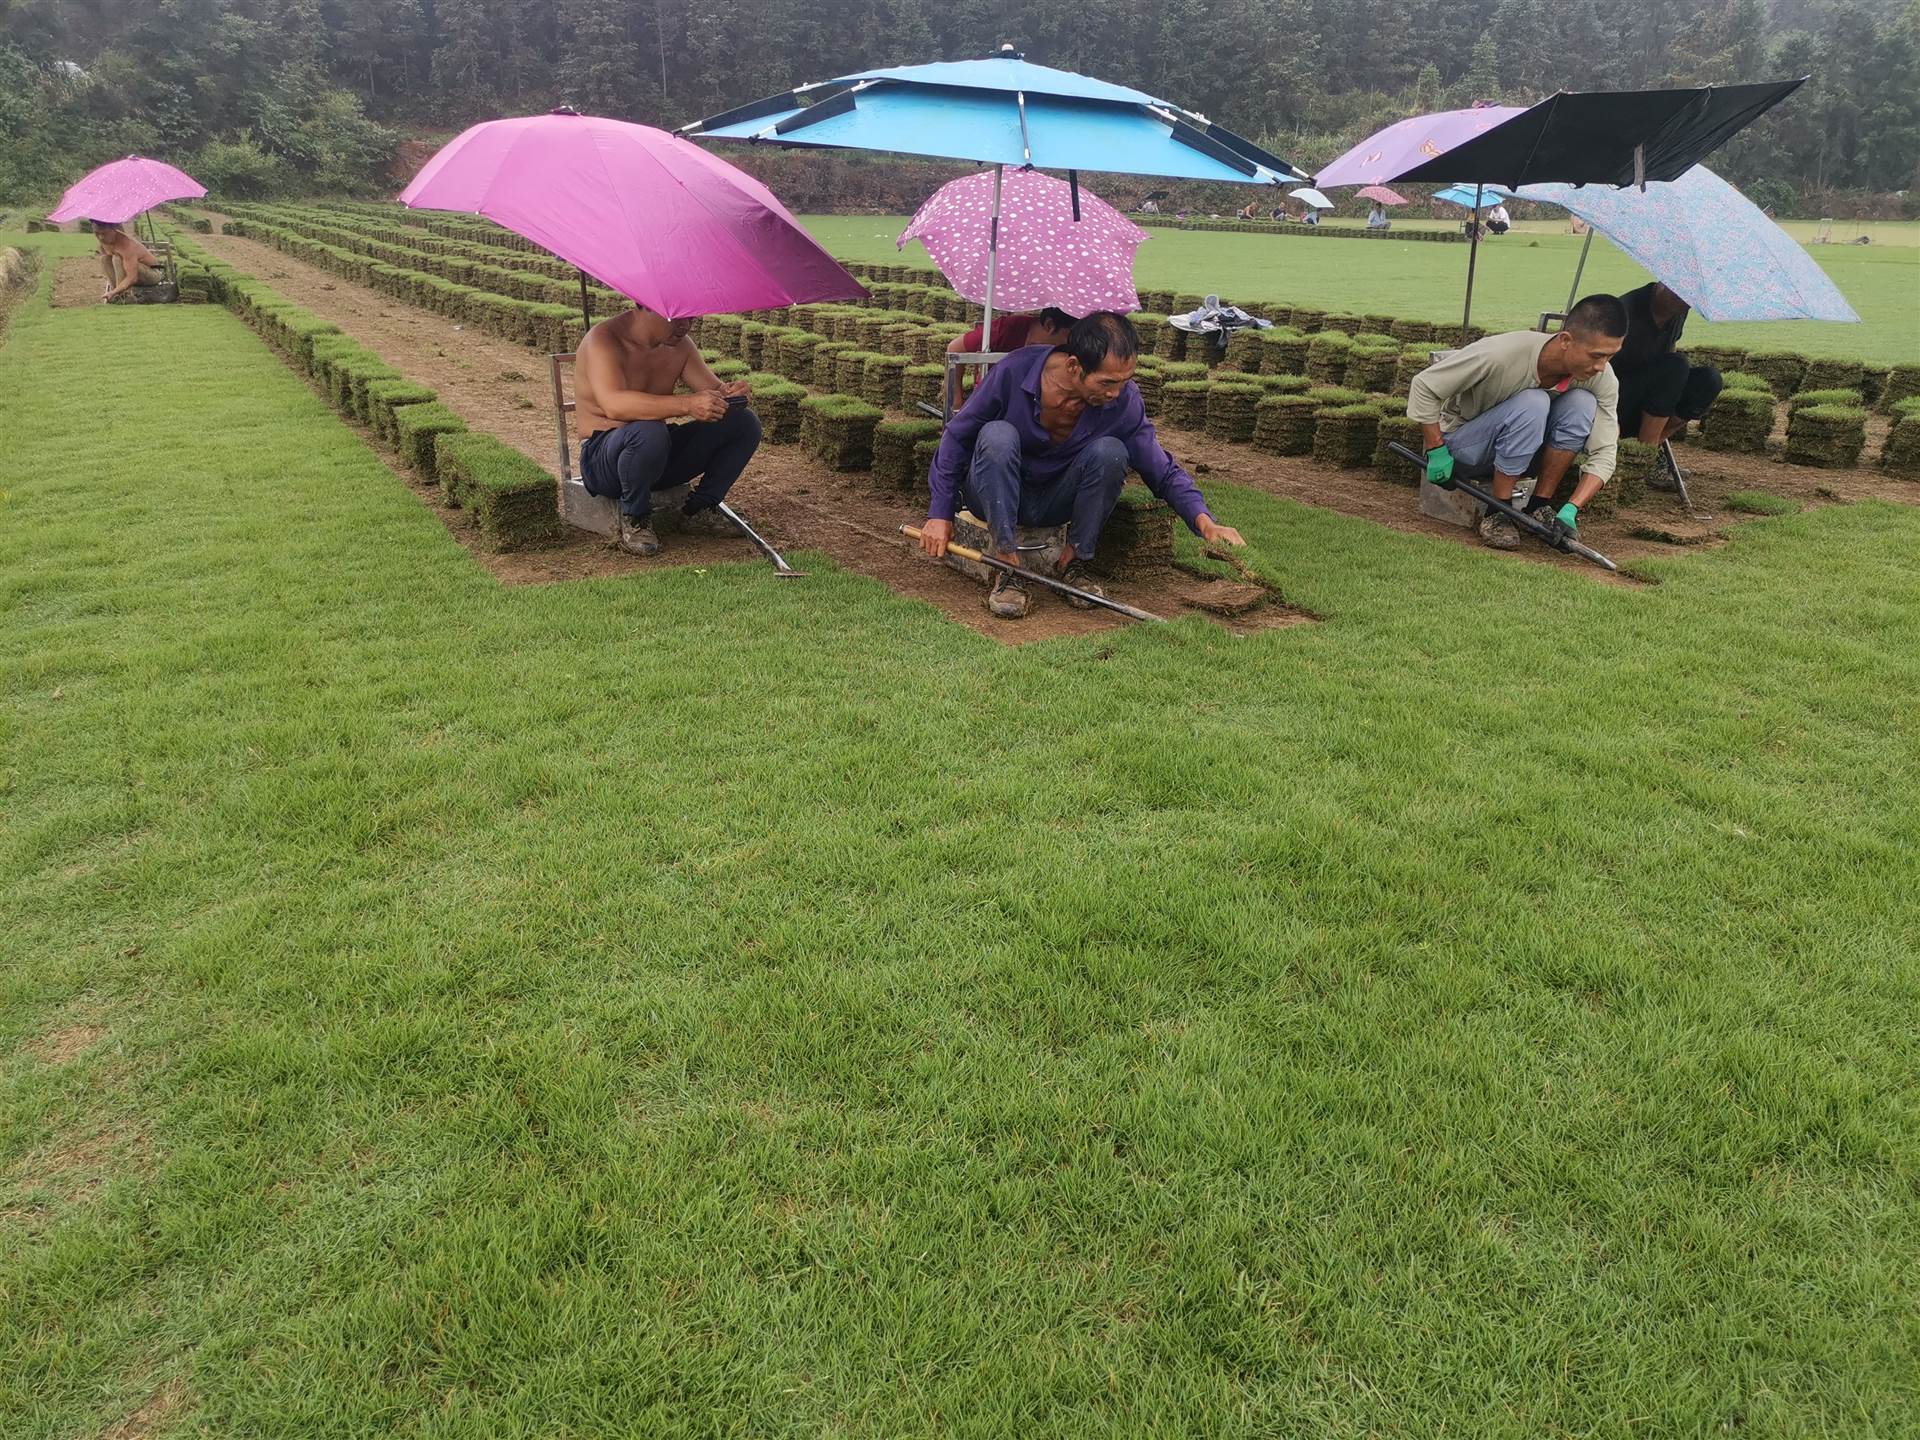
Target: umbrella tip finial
(563,110)
(1007,52)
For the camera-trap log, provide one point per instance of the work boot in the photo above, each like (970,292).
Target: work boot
(1077,575)
(637,537)
(1497,532)
(706,521)
(1008,599)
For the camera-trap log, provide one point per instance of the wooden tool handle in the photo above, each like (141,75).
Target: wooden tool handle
(954,547)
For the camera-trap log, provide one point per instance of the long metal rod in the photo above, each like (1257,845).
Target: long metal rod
(993,260)
(586,310)
(1573,290)
(1519,517)
(967,552)
(780,566)
(1473,256)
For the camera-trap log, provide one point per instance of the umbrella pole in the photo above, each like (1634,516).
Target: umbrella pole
(993,260)
(1473,256)
(1573,290)
(586,310)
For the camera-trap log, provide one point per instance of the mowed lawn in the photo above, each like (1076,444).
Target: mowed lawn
(1517,276)
(696,1005)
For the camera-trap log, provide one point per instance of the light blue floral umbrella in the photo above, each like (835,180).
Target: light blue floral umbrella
(1707,243)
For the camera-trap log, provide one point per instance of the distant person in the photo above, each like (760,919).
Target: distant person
(1150,207)
(1251,211)
(1659,390)
(1279,215)
(1047,439)
(1377,216)
(1010,333)
(1498,221)
(1309,215)
(124,261)
(623,390)
(1523,404)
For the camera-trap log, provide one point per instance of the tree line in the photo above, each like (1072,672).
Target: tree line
(262,97)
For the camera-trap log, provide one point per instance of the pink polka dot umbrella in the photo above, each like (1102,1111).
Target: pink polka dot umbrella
(1045,256)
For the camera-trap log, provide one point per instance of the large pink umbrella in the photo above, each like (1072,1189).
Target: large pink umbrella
(1047,257)
(1385,153)
(654,216)
(122,189)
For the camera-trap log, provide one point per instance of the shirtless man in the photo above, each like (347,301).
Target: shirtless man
(624,381)
(124,261)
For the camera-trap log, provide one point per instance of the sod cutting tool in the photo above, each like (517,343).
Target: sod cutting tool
(1555,536)
(780,566)
(965,552)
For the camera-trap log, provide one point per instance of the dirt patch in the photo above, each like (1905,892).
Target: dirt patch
(67,1170)
(57,1047)
(152,1417)
(77,282)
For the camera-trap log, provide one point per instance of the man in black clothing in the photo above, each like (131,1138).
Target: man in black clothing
(1659,391)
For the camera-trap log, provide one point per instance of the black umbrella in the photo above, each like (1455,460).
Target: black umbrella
(1601,137)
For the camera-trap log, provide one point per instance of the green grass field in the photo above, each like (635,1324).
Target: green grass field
(695,1005)
(1518,276)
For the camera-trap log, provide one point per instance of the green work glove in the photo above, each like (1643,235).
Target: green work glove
(1570,518)
(1440,466)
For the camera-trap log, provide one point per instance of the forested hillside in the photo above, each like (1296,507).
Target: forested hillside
(262,96)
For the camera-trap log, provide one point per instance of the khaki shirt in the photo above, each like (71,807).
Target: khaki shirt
(1471,381)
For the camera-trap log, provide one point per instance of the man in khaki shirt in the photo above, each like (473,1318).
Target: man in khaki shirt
(1522,404)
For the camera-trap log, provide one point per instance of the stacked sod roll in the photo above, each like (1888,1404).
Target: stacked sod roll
(1344,435)
(895,445)
(1284,424)
(837,430)
(1830,436)
(1230,409)
(510,496)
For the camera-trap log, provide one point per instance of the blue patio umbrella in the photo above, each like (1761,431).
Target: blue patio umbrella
(1706,242)
(1472,197)
(1002,111)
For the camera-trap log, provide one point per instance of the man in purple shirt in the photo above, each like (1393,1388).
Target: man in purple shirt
(1047,439)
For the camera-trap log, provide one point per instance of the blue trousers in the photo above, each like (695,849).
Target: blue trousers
(630,463)
(1509,437)
(1081,497)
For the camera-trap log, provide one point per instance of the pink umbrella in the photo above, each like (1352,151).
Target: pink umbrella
(1046,257)
(654,216)
(1401,146)
(122,189)
(1380,193)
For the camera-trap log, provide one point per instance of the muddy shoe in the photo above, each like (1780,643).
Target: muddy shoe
(1499,533)
(1008,599)
(637,537)
(1081,578)
(708,521)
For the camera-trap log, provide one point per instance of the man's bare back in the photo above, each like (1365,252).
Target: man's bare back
(627,369)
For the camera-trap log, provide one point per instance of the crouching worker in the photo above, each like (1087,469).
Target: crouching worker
(1047,439)
(623,390)
(1659,391)
(1523,404)
(124,261)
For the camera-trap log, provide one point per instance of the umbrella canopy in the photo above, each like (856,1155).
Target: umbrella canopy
(1473,197)
(1709,244)
(1307,195)
(1001,111)
(122,189)
(1381,194)
(661,221)
(1385,153)
(1047,256)
(1604,137)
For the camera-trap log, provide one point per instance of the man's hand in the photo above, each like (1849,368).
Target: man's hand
(1211,529)
(740,388)
(934,535)
(1440,466)
(706,405)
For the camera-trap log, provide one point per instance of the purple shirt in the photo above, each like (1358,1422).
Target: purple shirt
(1011,392)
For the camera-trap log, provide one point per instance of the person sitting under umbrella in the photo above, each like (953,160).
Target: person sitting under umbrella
(1010,332)
(1659,391)
(1047,440)
(124,261)
(1377,216)
(1522,404)
(624,380)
